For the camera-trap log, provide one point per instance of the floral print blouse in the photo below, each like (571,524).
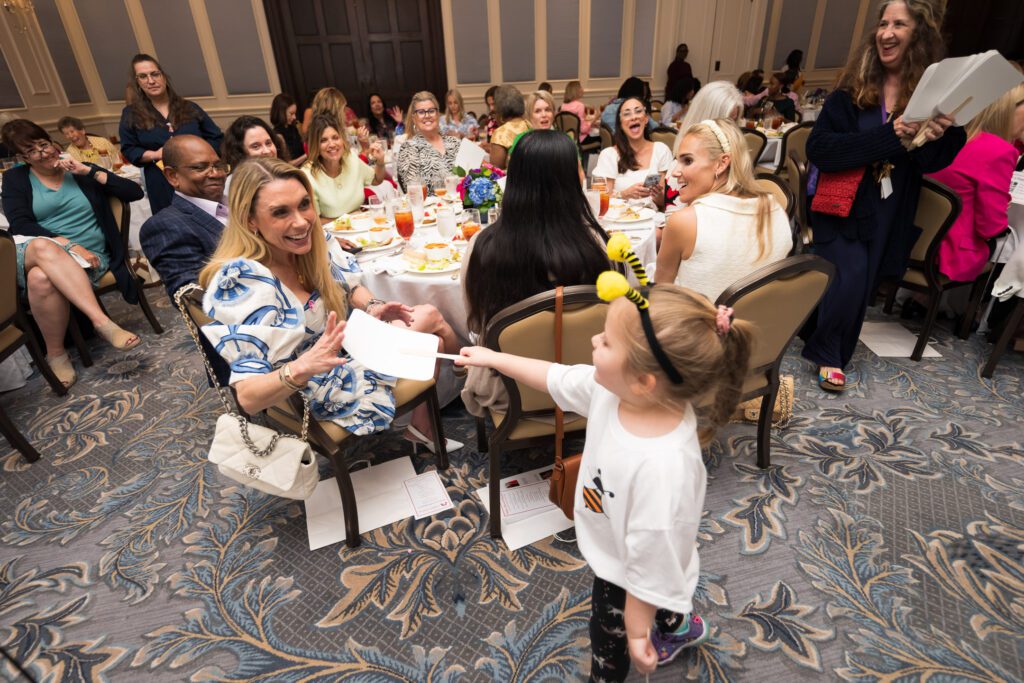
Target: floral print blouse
(419,162)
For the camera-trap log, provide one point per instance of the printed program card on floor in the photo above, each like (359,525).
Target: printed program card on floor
(382,500)
(531,526)
(523,499)
(427,494)
(892,340)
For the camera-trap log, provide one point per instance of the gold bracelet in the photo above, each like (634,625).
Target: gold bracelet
(284,373)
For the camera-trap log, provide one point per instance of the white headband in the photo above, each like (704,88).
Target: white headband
(719,133)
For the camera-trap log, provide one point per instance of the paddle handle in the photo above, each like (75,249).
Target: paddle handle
(920,138)
(430,354)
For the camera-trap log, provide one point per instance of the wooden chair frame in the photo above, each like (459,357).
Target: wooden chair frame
(574,124)
(936,284)
(780,270)
(1005,338)
(665,135)
(606,136)
(572,297)
(288,416)
(796,175)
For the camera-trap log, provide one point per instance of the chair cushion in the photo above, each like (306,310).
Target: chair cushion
(528,429)
(107,281)
(915,276)
(405,390)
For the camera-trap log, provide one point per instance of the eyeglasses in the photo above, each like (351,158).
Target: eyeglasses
(205,169)
(633,112)
(38,151)
(424,113)
(155,75)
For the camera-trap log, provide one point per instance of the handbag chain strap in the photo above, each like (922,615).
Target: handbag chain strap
(559,416)
(243,424)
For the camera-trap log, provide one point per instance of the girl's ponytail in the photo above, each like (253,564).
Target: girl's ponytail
(736,347)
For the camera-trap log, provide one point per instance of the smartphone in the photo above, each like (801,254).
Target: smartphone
(651,180)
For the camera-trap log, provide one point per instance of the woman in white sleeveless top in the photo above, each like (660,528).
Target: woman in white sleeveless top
(730,227)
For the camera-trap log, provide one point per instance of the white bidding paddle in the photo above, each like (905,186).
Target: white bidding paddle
(920,138)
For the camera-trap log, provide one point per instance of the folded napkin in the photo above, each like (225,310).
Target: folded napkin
(392,265)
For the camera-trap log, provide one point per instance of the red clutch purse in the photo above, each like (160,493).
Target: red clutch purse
(836,192)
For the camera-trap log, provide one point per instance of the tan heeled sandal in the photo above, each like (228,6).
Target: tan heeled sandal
(119,338)
(63,369)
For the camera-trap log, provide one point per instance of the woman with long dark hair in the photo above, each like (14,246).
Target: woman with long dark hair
(634,156)
(546,236)
(384,121)
(861,127)
(283,117)
(153,113)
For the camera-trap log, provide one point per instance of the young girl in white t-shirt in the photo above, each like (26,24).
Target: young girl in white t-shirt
(640,491)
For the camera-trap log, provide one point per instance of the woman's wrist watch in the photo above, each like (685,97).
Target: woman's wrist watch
(373,302)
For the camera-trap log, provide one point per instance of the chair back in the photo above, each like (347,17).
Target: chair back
(777,300)
(796,177)
(795,139)
(528,329)
(656,106)
(937,209)
(568,122)
(665,135)
(778,188)
(756,142)
(194,310)
(606,136)
(123,219)
(8,282)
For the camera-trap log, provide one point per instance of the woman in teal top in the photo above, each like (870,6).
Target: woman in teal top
(67,238)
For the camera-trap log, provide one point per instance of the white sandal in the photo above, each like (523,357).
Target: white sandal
(450,445)
(61,367)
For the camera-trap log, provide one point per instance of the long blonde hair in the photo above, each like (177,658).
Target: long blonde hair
(573,91)
(997,118)
(239,242)
(462,106)
(713,366)
(740,177)
(331,101)
(317,127)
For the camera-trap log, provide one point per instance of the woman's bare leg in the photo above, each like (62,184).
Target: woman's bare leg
(66,277)
(50,309)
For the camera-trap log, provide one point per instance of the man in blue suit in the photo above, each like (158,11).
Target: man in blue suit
(179,239)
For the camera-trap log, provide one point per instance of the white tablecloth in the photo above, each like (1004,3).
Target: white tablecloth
(810,113)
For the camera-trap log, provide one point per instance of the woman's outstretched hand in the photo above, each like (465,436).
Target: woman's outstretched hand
(396,113)
(324,355)
(392,311)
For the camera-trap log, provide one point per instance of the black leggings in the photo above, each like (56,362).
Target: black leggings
(609,650)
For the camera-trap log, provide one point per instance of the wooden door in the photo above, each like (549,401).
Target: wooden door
(393,47)
(736,39)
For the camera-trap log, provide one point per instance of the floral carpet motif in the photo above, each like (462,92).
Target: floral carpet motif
(885,542)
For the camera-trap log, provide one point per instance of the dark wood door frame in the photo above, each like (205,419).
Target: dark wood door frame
(285,46)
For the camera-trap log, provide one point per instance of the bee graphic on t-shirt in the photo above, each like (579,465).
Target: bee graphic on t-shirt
(592,496)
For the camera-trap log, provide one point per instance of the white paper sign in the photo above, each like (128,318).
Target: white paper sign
(427,494)
(470,155)
(532,525)
(516,501)
(389,349)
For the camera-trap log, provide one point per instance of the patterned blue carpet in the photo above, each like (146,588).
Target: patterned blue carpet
(886,542)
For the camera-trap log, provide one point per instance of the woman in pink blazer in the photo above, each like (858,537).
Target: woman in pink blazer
(981,175)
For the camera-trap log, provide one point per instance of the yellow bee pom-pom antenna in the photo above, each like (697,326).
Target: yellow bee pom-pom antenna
(612,285)
(620,249)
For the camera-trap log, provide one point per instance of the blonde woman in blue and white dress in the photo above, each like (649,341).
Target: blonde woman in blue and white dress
(279,291)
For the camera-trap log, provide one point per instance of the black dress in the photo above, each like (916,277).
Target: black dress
(292,139)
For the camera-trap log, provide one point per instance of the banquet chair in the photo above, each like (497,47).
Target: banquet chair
(776,300)
(665,135)
(795,140)
(777,186)
(937,209)
(122,216)
(796,177)
(568,122)
(756,142)
(327,438)
(606,137)
(527,329)
(655,111)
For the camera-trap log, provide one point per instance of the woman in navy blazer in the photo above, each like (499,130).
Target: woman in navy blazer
(860,127)
(154,113)
(66,202)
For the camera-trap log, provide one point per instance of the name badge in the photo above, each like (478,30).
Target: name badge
(886,187)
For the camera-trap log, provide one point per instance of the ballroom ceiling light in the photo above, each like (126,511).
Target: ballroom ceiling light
(20,11)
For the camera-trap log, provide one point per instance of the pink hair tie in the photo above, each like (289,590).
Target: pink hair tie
(723,320)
